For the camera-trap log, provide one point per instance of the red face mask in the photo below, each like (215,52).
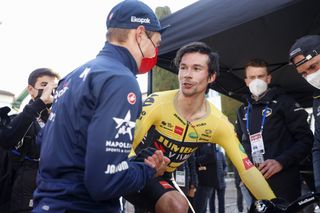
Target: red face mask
(148,63)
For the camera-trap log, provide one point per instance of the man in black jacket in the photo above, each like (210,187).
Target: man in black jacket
(19,138)
(207,175)
(274,131)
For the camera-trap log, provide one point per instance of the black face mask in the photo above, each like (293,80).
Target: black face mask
(40,91)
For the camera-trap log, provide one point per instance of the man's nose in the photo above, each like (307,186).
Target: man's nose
(188,72)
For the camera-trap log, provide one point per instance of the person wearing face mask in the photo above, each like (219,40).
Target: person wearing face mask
(84,164)
(274,131)
(19,138)
(304,55)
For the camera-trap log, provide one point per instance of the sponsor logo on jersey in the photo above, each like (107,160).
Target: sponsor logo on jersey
(177,146)
(131,98)
(61,92)
(118,146)
(201,124)
(167,126)
(205,135)
(165,184)
(149,101)
(85,73)
(208,131)
(247,163)
(159,147)
(178,130)
(111,168)
(193,135)
(143,113)
(52,116)
(124,126)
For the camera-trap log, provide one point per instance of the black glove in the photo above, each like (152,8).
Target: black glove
(143,154)
(276,205)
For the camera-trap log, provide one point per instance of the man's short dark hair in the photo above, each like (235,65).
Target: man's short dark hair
(34,75)
(200,47)
(256,62)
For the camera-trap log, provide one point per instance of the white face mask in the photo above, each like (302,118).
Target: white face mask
(257,87)
(313,79)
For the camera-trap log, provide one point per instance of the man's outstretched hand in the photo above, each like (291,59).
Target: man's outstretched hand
(158,161)
(153,158)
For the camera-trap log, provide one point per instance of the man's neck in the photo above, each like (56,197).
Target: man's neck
(191,108)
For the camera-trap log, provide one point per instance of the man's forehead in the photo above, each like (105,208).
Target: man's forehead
(298,58)
(251,70)
(46,79)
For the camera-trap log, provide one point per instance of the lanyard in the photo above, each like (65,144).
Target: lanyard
(263,117)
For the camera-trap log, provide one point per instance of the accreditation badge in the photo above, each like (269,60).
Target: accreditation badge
(181,178)
(256,142)
(257,148)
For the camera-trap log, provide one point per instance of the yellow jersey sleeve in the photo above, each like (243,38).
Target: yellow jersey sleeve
(225,136)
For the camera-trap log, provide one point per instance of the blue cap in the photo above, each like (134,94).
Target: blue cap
(308,46)
(130,14)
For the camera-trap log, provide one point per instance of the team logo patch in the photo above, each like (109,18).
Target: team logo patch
(178,130)
(124,125)
(268,112)
(247,163)
(165,185)
(131,98)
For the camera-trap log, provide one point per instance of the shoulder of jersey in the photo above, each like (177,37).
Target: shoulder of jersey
(164,96)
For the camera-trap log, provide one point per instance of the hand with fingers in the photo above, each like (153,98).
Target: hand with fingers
(153,158)
(269,168)
(47,93)
(158,161)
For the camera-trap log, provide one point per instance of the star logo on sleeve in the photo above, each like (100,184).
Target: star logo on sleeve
(124,126)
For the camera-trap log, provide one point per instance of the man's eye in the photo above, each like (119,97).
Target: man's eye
(44,84)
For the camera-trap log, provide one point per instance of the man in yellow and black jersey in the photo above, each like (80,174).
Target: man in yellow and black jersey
(178,122)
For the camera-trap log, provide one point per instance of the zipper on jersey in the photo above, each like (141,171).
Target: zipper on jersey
(185,133)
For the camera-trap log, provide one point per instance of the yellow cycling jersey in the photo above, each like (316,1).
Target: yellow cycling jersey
(161,127)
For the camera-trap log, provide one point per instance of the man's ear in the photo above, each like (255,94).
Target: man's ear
(212,78)
(139,31)
(31,91)
(246,80)
(269,78)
